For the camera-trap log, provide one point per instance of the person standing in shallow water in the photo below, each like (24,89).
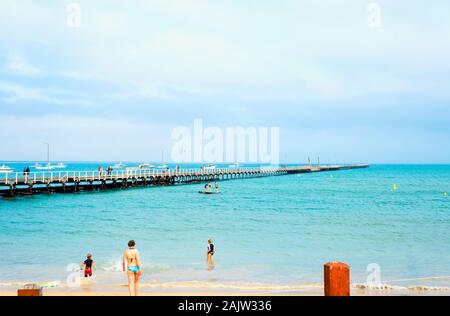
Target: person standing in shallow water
(210,253)
(132,262)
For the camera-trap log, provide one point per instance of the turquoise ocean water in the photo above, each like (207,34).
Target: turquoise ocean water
(273,233)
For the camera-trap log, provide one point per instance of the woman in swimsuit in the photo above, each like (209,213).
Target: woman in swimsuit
(133,267)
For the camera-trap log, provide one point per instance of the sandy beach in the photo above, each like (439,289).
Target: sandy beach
(121,290)
(224,294)
(125,293)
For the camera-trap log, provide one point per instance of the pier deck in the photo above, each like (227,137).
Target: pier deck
(18,184)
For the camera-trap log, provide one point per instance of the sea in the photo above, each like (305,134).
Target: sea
(389,223)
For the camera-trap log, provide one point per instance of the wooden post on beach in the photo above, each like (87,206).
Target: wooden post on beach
(336,279)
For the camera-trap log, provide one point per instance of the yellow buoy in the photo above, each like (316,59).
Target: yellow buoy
(394,187)
(445,194)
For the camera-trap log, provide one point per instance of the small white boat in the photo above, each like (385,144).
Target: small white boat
(208,192)
(146,166)
(119,166)
(209,167)
(236,165)
(162,165)
(60,166)
(6,169)
(46,167)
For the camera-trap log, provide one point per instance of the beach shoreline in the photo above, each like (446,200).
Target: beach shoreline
(308,290)
(60,293)
(156,294)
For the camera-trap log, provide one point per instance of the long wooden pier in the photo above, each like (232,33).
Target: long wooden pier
(19,184)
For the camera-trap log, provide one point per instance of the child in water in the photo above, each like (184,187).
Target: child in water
(88,265)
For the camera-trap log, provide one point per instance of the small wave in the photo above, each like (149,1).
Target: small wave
(390,287)
(17,284)
(113,266)
(51,284)
(245,286)
(12,284)
(116,266)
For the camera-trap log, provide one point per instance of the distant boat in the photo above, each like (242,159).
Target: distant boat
(162,165)
(119,166)
(60,166)
(46,167)
(236,165)
(146,166)
(6,169)
(209,167)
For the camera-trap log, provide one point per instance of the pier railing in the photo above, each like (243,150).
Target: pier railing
(20,183)
(21,178)
(94,175)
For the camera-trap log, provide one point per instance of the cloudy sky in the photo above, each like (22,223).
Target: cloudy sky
(338,80)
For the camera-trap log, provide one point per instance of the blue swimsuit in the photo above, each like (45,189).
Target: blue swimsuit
(133,269)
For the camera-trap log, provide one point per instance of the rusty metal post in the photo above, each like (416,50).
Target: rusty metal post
(336,279)
(30,290)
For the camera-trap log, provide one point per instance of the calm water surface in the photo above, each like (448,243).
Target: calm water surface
(277,230)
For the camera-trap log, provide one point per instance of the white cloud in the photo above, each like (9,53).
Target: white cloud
(292,50)
(17,64)
(77,138)
(224,60)
(14,93)
(76,74)
(141,92)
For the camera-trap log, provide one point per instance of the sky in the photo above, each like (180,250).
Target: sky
(346,80)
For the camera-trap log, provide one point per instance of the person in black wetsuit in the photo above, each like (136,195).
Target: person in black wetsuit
(88,265)
(210,252)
